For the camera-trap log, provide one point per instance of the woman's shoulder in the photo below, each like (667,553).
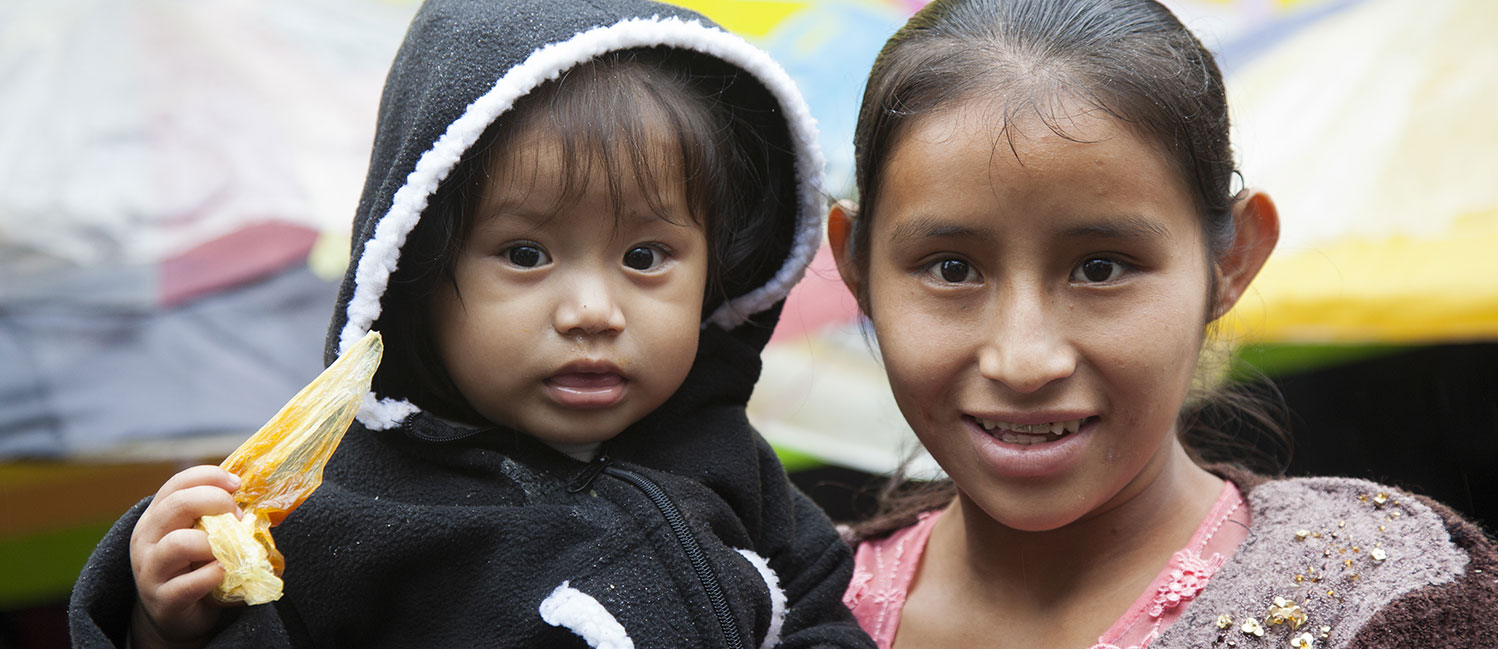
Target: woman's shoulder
(1350,562)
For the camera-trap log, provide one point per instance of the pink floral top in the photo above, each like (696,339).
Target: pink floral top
(883,570)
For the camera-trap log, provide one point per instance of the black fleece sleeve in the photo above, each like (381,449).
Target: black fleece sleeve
(812,561)
(104,597)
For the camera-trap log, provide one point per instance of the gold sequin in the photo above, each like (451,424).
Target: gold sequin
(1347,562)
(1326,632)
(1224,621)
(1302,535)
(1251,627)
(1378,554)
(1302,641)
(1285,611)
(1380,498)
(1341,523)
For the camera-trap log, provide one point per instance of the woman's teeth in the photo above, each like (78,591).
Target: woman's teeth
(1027,434)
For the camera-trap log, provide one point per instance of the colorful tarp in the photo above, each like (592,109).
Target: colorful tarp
(160,155)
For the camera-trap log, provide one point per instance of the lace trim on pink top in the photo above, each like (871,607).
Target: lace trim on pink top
(883,570)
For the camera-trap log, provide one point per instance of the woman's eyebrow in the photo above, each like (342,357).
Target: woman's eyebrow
(1115,227)
(1119,227)
(917,228)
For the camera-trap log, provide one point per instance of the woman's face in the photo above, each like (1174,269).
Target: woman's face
(1039,302)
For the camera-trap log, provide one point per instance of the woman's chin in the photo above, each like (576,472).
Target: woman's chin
(1035,515)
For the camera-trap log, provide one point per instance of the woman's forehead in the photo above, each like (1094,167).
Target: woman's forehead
(960,166)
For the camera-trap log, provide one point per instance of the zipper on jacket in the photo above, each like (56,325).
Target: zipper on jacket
(678,524)
(585,479)
(422,430)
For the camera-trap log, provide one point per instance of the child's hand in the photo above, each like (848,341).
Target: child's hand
(173,565)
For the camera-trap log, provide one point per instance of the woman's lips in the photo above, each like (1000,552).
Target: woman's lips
(1031,453)
(586,390)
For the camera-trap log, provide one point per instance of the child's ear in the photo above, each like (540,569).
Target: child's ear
(1256,222)
(839,231)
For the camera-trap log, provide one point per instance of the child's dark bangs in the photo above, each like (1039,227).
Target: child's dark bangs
(657,121)
(626,118)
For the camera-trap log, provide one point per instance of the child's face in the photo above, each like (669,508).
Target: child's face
(571,324)
(1058,286)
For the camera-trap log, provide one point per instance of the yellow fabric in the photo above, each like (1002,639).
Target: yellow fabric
(1373,130)
(748,18)
(1399,289)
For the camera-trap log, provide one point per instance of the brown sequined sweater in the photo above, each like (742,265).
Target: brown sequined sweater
(1354,565)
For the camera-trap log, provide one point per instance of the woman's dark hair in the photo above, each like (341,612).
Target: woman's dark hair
(1131,60)
(725,139)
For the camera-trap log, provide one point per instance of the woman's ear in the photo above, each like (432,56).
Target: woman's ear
(1256,222)
(839,237)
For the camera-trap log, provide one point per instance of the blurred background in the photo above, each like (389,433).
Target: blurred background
(177,178)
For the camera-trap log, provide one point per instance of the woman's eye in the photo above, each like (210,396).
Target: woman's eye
(527,256)
(953,271)
(643,258)
(1097,270)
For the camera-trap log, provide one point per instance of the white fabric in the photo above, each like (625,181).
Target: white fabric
(777,597)
(578,612)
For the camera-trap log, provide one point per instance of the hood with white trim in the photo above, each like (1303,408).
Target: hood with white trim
(464,64)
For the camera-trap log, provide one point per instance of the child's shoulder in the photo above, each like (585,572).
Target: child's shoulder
(1352,560)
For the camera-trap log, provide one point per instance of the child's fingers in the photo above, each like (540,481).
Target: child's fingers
(175,554)
(188,589)
(180,510)
(203,475)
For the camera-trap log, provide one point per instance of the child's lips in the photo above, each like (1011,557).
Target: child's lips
(586,389)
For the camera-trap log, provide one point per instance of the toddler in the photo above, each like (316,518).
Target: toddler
(579,223)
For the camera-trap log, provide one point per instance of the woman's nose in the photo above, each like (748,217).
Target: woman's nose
(1025,346)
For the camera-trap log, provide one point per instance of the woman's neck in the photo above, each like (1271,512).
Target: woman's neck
(1107,557)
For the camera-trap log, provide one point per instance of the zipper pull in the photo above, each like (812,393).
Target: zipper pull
(585,479)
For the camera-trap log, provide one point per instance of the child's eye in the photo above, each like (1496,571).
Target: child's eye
(527,256)
(644,257)
(1097,270)
(953,271)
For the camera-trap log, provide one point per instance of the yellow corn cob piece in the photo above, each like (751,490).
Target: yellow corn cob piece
(280,466)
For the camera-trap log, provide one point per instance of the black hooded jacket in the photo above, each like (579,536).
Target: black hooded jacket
(684,532)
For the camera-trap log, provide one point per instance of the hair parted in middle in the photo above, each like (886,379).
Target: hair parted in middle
(1131,60)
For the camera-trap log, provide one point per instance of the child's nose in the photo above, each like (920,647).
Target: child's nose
(1025,347)
(588,307)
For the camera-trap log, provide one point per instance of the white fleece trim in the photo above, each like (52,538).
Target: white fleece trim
(578,612)
(380,414)
(777,597)
(382,251)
